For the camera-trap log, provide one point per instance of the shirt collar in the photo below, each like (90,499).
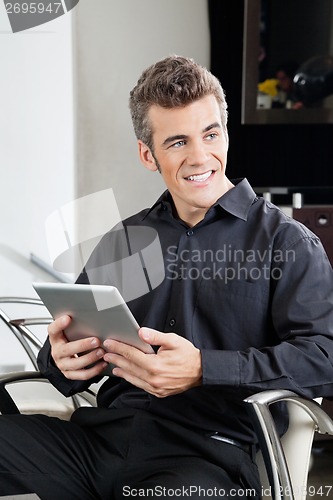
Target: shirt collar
(164,202)
(237,201)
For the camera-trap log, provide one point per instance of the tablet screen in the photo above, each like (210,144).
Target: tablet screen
(96,311)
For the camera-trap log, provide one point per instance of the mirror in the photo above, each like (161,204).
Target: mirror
(280,38)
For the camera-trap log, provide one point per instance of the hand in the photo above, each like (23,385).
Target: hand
(74,358)
(175,368)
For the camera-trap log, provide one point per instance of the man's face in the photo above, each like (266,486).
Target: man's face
(190,149)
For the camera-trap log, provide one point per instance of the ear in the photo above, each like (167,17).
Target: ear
(146,157)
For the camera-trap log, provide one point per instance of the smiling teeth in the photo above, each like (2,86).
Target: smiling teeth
(201,177)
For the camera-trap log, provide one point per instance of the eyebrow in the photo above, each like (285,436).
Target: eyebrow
(180,137)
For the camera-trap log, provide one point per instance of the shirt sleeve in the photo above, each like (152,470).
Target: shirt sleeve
(302,316)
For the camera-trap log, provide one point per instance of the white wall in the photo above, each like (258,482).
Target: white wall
(36,142)
(36,155)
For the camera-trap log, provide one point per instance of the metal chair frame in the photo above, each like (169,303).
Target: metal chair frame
(282,483)
(20,327)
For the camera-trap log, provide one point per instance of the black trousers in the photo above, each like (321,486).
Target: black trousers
(117,454)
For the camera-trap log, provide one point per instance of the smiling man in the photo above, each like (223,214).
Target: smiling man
(194,158)
(245,305)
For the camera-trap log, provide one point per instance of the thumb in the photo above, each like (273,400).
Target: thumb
(58,325)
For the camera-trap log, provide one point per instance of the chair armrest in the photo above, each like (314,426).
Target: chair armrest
(269,439)
(324,424)
(8,405)
(21,327)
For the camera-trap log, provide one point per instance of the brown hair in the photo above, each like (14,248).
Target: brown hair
(172,82)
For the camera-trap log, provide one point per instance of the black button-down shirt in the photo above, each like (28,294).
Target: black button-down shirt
(248,285)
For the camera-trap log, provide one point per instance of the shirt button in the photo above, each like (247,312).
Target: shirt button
(189,232)
(172,322)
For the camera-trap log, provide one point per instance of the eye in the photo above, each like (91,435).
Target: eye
(178,144)
(212,136)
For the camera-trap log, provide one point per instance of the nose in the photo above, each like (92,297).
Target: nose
(197,154)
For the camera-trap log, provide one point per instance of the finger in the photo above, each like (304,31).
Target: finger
(127,364)
(79,346)
(58,325)
(154,337)
(134,366)
(127,357)
(159,392)
(86,373)
(81,362)
(120,348)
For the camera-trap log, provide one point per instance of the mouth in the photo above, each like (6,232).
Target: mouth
(199,177)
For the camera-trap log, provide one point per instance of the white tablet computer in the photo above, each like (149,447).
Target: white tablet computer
(96,311)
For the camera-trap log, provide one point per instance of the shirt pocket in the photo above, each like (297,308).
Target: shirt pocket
(232,314)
